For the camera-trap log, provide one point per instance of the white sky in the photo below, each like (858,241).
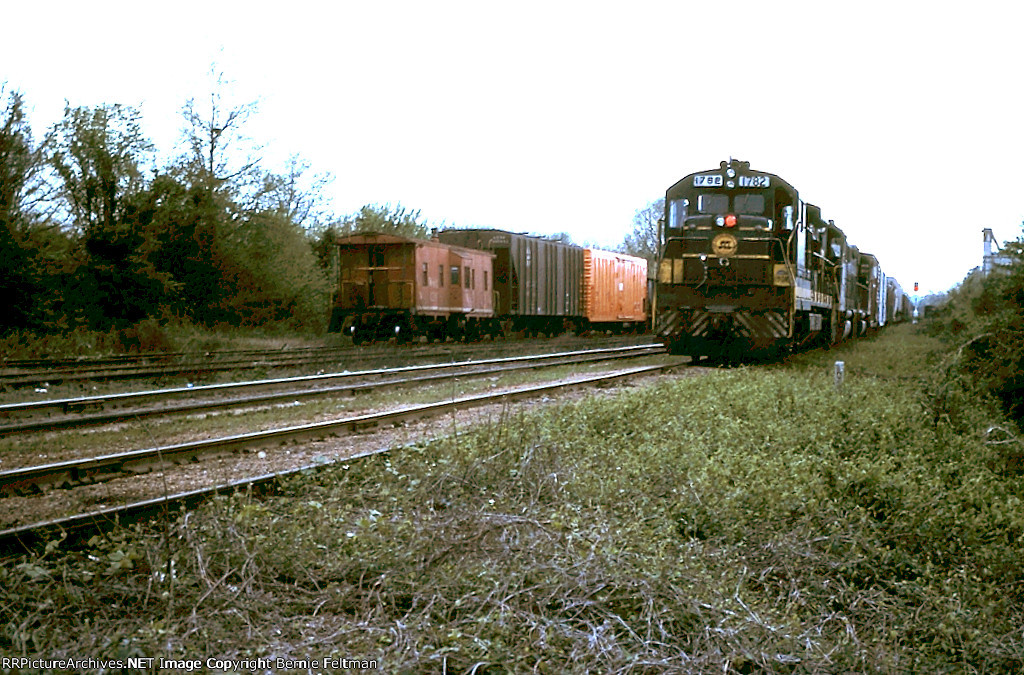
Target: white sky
(903,121)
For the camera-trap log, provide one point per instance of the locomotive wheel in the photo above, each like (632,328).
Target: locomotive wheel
(831,337)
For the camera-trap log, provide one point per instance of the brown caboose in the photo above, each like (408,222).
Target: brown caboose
(392,286)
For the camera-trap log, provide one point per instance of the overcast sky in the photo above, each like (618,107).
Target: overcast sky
(901,120)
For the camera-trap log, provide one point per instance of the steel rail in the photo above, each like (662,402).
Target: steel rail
(128,372)
(89,402)
(77,527)
(94,469)
(15,377)
(54,424)
(30,366)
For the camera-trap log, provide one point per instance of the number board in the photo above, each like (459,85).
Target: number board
(754,181)
(707,180)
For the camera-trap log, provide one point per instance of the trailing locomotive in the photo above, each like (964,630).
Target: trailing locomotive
(470,284)
(748,268)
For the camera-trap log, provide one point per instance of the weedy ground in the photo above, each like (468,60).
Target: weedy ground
(755,520)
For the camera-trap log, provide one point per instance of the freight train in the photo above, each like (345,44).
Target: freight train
(747,268)
(475,283)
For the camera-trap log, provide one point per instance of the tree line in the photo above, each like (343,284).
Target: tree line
(95,234)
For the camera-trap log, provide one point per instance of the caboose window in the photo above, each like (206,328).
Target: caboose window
(440,276)
(485,280)
(455,275)
(752,205)
(466,276)
(713,203)
(426,276)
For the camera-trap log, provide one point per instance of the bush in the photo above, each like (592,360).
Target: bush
(984,319)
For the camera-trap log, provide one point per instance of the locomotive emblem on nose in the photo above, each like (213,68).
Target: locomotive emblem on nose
(723,245)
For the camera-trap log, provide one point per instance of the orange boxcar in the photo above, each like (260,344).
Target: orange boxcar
(391,286)
(614,290)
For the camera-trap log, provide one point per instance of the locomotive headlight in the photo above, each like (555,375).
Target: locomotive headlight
(730,220)
(720,221)
(731,173)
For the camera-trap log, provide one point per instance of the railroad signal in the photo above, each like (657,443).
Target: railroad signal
(915,287)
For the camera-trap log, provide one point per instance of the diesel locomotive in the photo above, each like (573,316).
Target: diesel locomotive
(747,269)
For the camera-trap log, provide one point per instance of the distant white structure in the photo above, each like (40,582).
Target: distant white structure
(992,257)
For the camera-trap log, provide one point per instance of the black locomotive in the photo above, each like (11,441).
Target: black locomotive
(747,268)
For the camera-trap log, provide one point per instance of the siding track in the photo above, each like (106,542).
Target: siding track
(80,411)
(102,468)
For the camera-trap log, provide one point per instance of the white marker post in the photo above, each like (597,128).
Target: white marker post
(840,374)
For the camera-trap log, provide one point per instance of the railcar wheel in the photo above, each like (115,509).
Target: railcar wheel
(337,320)
(830,338)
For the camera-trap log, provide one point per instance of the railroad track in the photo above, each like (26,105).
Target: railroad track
(143,358)
(102,468)
(80,411)
(89,373)
(35,373)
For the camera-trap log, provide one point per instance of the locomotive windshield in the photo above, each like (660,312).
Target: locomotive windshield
(717,203)
(750,204)
(713,203)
